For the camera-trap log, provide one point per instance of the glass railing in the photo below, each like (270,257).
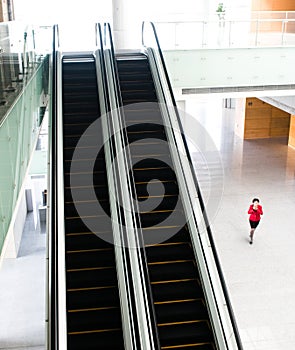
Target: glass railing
(24,83)
(22,49)
(223,33)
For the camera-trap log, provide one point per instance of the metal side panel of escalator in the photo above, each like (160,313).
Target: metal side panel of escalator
(182,316)
(92,294)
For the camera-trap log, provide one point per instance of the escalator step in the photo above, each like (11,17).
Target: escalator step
(182,289)
(107,340)
(87,240)
(167,252)
(98,223)
(172,271)
(90,278)
(180,333)
(178,311)
(82,320)
(102,257)
(95,298)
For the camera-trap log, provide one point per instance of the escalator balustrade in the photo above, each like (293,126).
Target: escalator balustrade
(182,316)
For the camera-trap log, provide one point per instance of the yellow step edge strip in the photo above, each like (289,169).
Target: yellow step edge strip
(86,186)
(95,331)
(166,244)
(87,233)
(170,262)
(89,288)
(176,301)
(157,168)
(81,160)
(166,195)
(88,250)
(184,345)
(86,201)
(150,155)
(160,227)
(153,181)
(175,281)
(183,322)
(80,147)
(85,173)
(83,217)
(93,309)
(91,269)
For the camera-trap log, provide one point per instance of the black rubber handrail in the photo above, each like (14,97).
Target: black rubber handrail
(209,232)
(53,210)
(145,278)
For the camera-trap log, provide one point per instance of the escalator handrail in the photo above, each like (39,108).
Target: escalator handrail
(137,256)
(120,254)
(201,201)
(57,338)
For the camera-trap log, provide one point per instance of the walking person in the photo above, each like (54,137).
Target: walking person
(255,211)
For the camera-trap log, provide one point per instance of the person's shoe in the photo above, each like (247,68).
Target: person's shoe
(251,242)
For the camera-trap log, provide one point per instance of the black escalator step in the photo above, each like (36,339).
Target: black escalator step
(82,320)
(89,140)
(169,251)
(149,172)
(145,189)
(85,178)
(172,271)
(152,218)
(88,258)
(144,148)
(164,233)
(181,311)
(81,107)
(81,96)
(185,333)
(76,164)
(98,223)
(181,289)
(111,339)
(91,277)
(195,346)
(77,129)
(88,240)
(96,297)
(75,118)
(138,96)
(158,203)
(84,152)
(86,208)
(83,193)
(145,127)
(137,86)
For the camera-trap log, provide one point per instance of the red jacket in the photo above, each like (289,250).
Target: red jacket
(255,214)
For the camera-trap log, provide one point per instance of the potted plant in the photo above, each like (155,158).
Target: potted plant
(220,11)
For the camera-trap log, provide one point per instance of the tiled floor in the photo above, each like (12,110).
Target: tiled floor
(22,293)
(260,278)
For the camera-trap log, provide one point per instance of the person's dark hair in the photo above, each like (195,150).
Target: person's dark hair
(255,200)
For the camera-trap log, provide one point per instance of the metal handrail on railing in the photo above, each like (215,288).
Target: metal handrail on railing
(225,33)
(136,326)
(188,181)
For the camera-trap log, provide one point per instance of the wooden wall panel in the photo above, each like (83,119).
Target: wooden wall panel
(291,141)
(263,120)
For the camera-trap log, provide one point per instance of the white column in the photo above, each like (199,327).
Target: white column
(126,24)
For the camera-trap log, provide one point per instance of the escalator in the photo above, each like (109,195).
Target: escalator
(181,312)
(92,294)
